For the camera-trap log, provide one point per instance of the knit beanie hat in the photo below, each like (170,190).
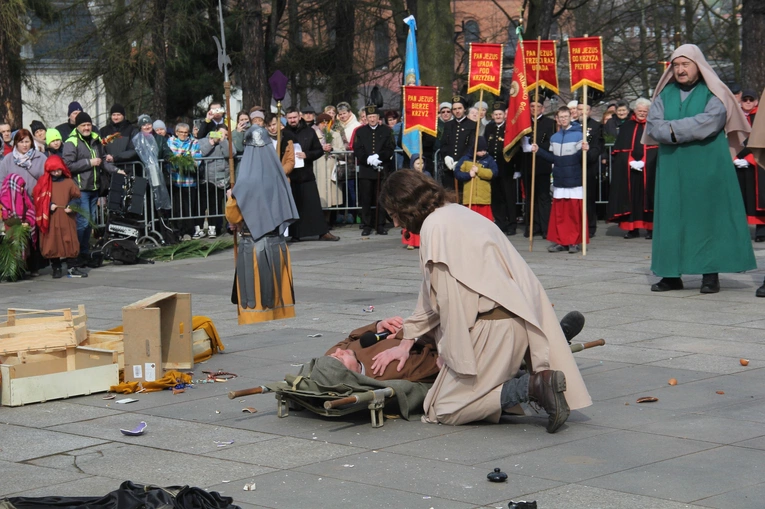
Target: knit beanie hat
(118,108)
(82,118)
(74,106)
(36,125)
(158,124)
(143,120)
(52,135)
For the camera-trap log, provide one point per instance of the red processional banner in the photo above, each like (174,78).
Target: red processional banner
(421,109)
(485,71)
(585,60)
(518,122)
(546,63)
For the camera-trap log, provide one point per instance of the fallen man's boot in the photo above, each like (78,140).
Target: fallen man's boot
(572,325)
(546,389)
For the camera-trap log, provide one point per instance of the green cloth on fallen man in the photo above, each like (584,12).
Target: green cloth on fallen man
(328,378)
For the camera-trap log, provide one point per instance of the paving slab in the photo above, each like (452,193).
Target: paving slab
(147,465)
(600,455)
(588,497)
(705,474)
(21,443)
(167,434)
(18,477)
(291,489)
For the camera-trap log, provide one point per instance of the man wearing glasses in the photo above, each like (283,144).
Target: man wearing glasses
(751,176)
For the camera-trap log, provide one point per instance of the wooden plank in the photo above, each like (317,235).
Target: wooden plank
(149,301)
(177,344)
(31,327)
(37,342)
(70,359)
(46,387)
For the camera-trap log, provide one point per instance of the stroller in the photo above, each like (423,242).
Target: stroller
(126,229)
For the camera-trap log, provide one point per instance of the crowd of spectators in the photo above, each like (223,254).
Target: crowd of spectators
(334,166)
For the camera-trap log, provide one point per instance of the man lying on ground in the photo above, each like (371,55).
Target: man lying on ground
(422,364)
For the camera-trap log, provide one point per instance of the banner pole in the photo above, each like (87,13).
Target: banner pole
(475,153)
(534,154)
(584,173)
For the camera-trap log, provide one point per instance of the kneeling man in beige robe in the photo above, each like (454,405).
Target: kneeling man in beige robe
(487,311)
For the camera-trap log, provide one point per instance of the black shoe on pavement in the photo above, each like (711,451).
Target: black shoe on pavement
(546,388)
(366,232)
(58,273)
(710,283)
(382,231)
(510,233)
(759,238)
(77,272)
(572,324)
(649,235)
(632,234)
(761,290)
(668,283)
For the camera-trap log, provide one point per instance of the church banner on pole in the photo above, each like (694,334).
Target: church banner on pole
(585,60)
(421,109)
(518,123)
(485,70)
(546,63)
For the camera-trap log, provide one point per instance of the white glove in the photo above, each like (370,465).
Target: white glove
(741,163)
(374,160)
(637,165)
(516,175)
(449,161)
(525,144)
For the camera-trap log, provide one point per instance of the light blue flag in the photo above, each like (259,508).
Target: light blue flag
(411,142)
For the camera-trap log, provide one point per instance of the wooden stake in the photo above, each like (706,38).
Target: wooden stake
(534,154)
(475,154)
(278,130)
(227,88)
(584,173)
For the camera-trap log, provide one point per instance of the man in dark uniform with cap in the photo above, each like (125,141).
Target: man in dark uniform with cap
(542,199)
(503,186)
(373,146)
(457,139)
(595,139)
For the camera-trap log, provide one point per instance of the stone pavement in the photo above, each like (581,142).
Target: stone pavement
(693,448)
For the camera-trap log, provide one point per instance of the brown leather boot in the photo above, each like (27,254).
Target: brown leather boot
(546,389)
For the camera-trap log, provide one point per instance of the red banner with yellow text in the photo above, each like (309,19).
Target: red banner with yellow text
(421,109)
(518,121)
(546,63)
(585,60)
(485,71)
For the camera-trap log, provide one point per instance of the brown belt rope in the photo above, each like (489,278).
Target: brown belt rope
(498,313)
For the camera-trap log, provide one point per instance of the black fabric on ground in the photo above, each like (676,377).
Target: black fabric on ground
(130,495)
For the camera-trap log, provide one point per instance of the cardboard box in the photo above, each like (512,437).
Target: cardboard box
(157,336)
(36,378)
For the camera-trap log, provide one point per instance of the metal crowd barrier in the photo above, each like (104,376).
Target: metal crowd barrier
(205,200)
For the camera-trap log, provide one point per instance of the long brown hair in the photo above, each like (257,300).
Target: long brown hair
(411,196)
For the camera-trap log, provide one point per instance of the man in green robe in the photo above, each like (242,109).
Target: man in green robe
(700,223)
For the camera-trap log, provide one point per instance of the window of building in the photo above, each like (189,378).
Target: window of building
(472,32)
(382,45)
(512,41)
